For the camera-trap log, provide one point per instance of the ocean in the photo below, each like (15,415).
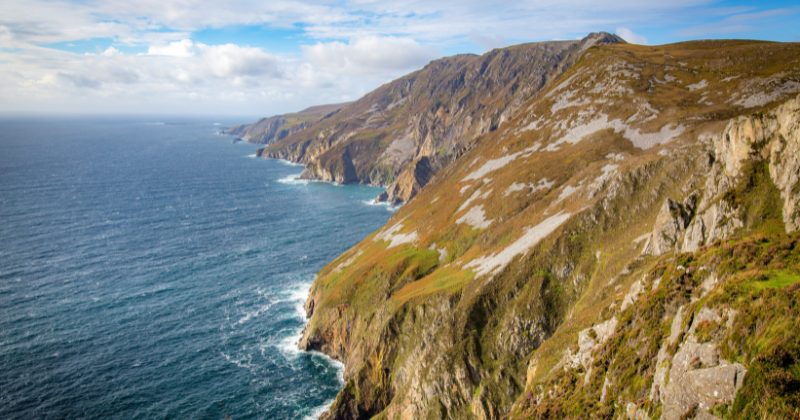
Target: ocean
(150,268)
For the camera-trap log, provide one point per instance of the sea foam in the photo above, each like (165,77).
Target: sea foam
(389,206)
(293,179)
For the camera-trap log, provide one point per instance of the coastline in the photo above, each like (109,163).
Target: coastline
(292,343)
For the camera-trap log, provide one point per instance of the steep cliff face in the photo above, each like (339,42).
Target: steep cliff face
(278,127)
(625,245)
(406,131)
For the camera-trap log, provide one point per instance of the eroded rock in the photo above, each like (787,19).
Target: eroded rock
(696,377)
(671,222)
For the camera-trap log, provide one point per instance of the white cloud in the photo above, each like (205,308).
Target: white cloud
(182,48)
(370,54)
(189,75)
(231,60)
(353,46)
(444,22)
(630,36)
(110,52)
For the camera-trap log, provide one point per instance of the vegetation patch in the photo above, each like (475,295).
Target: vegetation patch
(445,279)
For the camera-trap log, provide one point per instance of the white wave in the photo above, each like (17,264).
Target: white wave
(216,123)
(298,295)
(254,313)
(339,366)
(288,346)
(289,163)
(316,412)
(389,206)
(252,156)
(242,363)
(293,180)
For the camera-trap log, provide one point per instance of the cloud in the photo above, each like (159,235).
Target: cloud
(79,81)
(231,60)
(487,42)
(182,48)
(222,61)
(370,54)
(442,22)
(187,75)
(110,52)
(630,36)
(339,49)
(164,67)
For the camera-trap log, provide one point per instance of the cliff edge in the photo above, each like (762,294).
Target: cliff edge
(403,133)
(278,127)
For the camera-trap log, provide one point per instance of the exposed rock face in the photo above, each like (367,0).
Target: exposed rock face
(404,132)
(672,220)
(698,379)
(718,221)
(771,136)
(414,176)
(518,281)
(589,340)
(784,155)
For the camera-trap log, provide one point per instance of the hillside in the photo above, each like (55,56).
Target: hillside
(278,127)
(403,133)
(623,245)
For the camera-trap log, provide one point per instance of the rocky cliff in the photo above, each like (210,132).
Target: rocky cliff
(403,133)
(278,127)
(623,245)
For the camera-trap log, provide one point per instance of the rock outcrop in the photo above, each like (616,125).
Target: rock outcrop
(696,378)
(671,223)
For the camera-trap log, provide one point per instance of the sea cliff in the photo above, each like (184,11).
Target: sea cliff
(623,245)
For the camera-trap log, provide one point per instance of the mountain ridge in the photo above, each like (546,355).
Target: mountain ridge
(404,132)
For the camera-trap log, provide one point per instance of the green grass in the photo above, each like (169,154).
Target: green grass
(776,280)
(444,279)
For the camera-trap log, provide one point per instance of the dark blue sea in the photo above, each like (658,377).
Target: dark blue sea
(152,270)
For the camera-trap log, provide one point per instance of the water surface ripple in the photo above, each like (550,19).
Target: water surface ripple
(158,271)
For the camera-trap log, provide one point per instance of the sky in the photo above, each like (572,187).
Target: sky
(207,57)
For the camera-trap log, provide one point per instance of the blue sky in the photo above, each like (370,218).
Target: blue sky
(259,57)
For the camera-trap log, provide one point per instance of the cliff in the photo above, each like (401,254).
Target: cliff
(278,127)
(623,245)
(403,133)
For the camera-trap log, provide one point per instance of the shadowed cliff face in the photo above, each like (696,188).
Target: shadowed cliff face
(624,245)
(404,132)
(278,127)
